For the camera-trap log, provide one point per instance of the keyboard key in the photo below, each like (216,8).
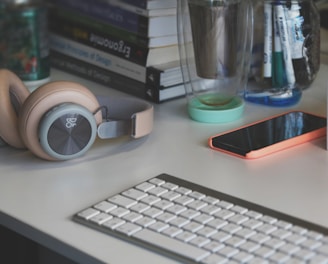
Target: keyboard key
(279,257)
(228,251)
(193,227)
(210,200)
(179,221)
(245,233)
(224,214)
(264,252)
(171,244)
(176,209)
(119,212)
(134,194)
(197,195)
(289,248)
(156,181)
(184,200)
(163,204)
(203,218)
(304,254)
(157,191)
(128,228)
(190,213)
(145,186)
(197,205)
(253,214)
(105,206)
(169,186)
(158,226)
(123,201)
(132,217)
(235,241)
(139,207)
(171,195)
(238,219)
(213,246)
(165,217)
(206,231)
(152,212)
(231,228)
(214,258)
(249,246)
(183,190)
(274,243)
(150,199)
(217,223)
(186,236)
(221,236)
(243,257)
(210,209)
(266,228)
(172,231)
(100,218)
(252,223)
(113,223)
(145,221)
(199,241)
(88,213)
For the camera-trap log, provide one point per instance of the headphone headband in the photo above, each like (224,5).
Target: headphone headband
(125,116)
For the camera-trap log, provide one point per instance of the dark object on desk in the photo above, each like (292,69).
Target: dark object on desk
(270,135)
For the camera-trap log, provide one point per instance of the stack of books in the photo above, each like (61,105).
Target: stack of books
(128,45)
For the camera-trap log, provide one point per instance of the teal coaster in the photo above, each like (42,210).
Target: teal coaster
(216,114)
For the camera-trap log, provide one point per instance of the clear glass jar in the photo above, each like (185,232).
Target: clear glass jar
(215,46)
(286,51)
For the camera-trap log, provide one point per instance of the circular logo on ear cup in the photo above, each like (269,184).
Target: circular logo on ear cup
(67,131)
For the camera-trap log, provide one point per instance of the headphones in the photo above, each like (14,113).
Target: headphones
(60,120)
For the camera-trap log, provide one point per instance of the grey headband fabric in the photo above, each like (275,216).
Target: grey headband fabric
(125,116)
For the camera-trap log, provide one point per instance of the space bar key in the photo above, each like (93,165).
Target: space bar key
(171,244)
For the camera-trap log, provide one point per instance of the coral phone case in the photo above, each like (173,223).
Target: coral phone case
(270,135)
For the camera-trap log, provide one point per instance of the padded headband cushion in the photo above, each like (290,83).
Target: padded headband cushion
(11,87)
(45,98)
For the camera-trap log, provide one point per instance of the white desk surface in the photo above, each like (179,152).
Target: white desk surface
(38,198)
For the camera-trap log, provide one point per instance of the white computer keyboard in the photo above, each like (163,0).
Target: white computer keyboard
(196,224)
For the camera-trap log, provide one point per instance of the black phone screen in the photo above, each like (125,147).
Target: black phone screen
(268,132)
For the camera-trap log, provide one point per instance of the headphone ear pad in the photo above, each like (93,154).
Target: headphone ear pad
(45,98)
(13,94)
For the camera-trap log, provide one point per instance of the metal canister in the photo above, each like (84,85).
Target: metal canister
(24,46)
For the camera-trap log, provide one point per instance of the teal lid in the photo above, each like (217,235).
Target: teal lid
(216,114)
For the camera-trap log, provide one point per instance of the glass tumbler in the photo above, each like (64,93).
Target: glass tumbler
(215,38)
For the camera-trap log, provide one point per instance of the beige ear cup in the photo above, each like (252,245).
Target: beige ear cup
(11,85)
(45,98)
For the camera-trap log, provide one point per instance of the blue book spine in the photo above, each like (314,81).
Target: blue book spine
(108,13)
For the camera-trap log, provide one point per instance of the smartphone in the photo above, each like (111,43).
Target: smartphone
(270,135)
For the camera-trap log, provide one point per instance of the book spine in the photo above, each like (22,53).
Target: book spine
(105,77)
(108,13)
(153,76)
(138,3)
(98,39)
(99,58)
(56,14)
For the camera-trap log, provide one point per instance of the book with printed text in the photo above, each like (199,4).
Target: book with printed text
(122,18)
(147,91)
